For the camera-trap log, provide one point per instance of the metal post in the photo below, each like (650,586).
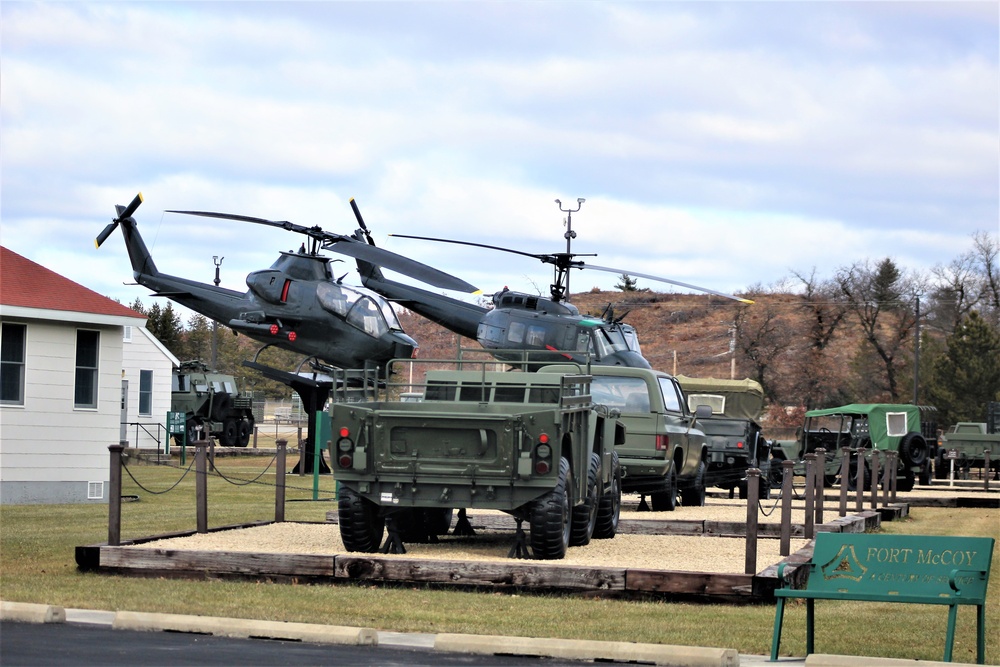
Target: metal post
(255,428)
(986,469)
(820,483)
(845,473)
(786,506)
(753,498)
(302,454)
(279,486)
(115,496)
(810,498)
(889,478)
(875,472)
(201,485)
(859,482)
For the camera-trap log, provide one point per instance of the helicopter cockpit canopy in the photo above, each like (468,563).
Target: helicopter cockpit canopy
(360,307)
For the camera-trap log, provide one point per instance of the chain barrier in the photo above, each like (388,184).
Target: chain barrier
(760,506)
(159,493)
(235,481)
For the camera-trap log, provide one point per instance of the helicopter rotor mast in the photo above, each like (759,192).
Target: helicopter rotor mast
(560,286)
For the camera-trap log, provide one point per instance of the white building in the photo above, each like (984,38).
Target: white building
(147,370)
(61,369)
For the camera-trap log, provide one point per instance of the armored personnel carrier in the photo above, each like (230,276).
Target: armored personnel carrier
(212,405)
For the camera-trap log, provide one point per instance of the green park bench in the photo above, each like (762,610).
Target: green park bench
(915,569)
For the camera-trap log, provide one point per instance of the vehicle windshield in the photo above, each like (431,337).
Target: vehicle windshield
(362,308)
(628,394)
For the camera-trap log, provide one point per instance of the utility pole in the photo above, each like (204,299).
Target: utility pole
(916,357)
(215,325)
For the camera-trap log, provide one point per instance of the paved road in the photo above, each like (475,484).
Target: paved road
(69,645)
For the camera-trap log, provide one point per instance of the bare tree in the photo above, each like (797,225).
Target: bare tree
(882,298)
(986,247)
(826,310)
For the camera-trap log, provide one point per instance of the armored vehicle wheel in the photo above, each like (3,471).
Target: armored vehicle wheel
(585,514)
(609,507)
(230,433)
(666,500)
(361,527)
(695,495)
(192,430)
(775,473)
(924,478)
(243,431)
(913,449)
(550,517)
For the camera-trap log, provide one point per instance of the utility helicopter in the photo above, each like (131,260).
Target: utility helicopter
(297,304)
(526,328)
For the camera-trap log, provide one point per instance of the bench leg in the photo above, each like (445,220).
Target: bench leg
(980,634)
(810,648)
(779,617)
(949,640)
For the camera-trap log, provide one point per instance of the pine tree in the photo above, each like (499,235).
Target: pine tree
(967,376)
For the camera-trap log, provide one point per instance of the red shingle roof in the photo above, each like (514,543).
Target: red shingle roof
(27,284)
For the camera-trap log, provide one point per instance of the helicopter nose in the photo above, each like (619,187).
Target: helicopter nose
(403,346)
(626,358)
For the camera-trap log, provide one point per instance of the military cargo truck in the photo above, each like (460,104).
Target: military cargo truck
(907,429)
(665,451)
(212,404)
(970,441)
(735,442)
(533,445)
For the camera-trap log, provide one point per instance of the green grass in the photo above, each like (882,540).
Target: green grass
(37,565)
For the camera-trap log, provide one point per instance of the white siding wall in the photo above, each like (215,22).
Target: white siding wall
(138,355)
(50,450)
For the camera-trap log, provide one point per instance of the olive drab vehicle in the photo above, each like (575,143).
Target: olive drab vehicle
(909,430)
(212,404)
(532,445)
(735,441)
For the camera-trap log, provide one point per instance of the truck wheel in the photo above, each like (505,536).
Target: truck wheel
(666,500)
(905,481)
(361,527)
(230,432)
(585,514)
(940,466)
(866,475)
(913,449)
(243,431)
(609,507)
(550,517)
(695,495)
(775,473)
(925,473)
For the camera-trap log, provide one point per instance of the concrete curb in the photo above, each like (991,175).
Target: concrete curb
(657,654)
(246,628)
(821,660)
(26,612)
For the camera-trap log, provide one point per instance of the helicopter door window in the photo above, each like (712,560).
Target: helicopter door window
(536,336)
(516,332)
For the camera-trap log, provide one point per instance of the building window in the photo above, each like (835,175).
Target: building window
(88,344)
(12,337)
(145,393)
(127,334)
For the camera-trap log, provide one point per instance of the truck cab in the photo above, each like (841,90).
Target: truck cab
(665,450)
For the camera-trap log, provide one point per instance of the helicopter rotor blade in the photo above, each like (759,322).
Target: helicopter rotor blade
(361,221)
(122,213)
(538,256)
(667,280)
(347,245)
(390,260)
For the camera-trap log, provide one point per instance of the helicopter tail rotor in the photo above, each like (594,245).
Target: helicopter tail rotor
(124,212)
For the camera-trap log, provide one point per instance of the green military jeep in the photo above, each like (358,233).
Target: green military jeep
(909,430)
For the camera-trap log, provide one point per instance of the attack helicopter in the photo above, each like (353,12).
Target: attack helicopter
(521,328)
(297,304)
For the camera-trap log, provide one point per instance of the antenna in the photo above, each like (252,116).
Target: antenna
(569,236)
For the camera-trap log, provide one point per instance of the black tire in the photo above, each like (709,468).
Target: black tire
(230,432)
(192,430)
(550,517)
(666,500)
(913,449)
(244,429)
(924,478)
(694,496)
(585,514)
(940,466)
(609,507)
(361,526)
(775,473)
(905,481)
(852,481)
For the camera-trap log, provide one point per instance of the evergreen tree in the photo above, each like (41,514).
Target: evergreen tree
(967,376)
(627,283)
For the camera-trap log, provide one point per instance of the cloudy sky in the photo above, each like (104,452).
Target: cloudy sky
(722,144)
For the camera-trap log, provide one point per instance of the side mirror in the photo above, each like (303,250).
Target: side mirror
(703,412)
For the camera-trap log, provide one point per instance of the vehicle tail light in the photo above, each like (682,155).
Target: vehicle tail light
(346,448)
(344,431)
(292,336)
(739,445)
(346,460)
(662,443)
(274,329)
(543,455)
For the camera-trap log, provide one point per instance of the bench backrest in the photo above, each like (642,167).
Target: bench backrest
(926,568)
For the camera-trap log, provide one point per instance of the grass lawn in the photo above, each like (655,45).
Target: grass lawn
(37,565)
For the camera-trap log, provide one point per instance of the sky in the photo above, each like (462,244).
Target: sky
(724,144)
